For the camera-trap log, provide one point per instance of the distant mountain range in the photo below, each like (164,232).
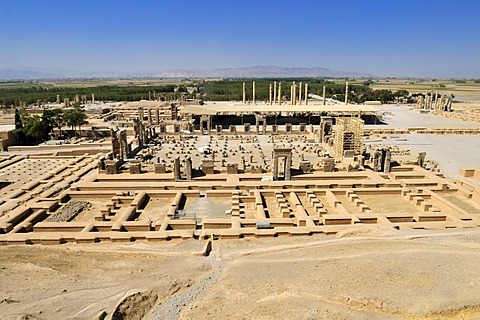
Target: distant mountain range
(248,72)
(262,72)
(46,73)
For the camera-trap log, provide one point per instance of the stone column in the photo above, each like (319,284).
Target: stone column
(188,168)
(291,95)
(205,119)
(431,102)
(253,95)
(324,101)
(288,164)
(275,169)
(93,98)
(280,93)
(388,157)
(244,94)
(176,169)
(326,124)
(306,93)
(174,112)
(421,159)
(58,98)
(420,101)
(116,154)
(124,144)
(157,111)
(449,103)
(346,92)
(275,91)
(270,94)
(300,93)
(149,116)
(377,161)
(294,93)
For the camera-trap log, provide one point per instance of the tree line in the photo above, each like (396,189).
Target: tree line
(32,129)
(228,90)
(30,95)
(221,90)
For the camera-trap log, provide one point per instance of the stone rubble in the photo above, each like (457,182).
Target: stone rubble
(69,211)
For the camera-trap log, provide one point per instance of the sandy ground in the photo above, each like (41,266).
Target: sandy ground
(368,274)
(402,117)
(451,152)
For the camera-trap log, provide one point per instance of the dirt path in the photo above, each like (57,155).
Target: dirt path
(173,306)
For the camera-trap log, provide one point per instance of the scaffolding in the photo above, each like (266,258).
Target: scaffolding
(348,136)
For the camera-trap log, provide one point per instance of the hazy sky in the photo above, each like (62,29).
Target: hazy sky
(386,37)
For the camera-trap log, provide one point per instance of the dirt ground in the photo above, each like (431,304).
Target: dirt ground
(361,274)
(451,152)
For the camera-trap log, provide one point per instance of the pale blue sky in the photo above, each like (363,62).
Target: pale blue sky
(420,38)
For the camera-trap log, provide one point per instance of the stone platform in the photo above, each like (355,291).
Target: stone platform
(154,207)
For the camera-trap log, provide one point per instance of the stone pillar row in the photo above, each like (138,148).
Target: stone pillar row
(275,95)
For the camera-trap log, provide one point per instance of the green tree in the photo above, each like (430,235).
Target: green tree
(36,127)
(19,131)
(368,82)
(18,119)
(75,117)
(402,93)
(54,119)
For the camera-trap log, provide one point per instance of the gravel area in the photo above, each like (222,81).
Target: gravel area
(69,211)
(172,308)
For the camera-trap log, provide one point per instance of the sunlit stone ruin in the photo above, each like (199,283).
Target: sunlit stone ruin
(297,164)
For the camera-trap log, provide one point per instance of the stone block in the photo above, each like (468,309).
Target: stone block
(135,168)
(111,166)
(328,165)
(232,168)
(306,166)
(208,166)
(160,168)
